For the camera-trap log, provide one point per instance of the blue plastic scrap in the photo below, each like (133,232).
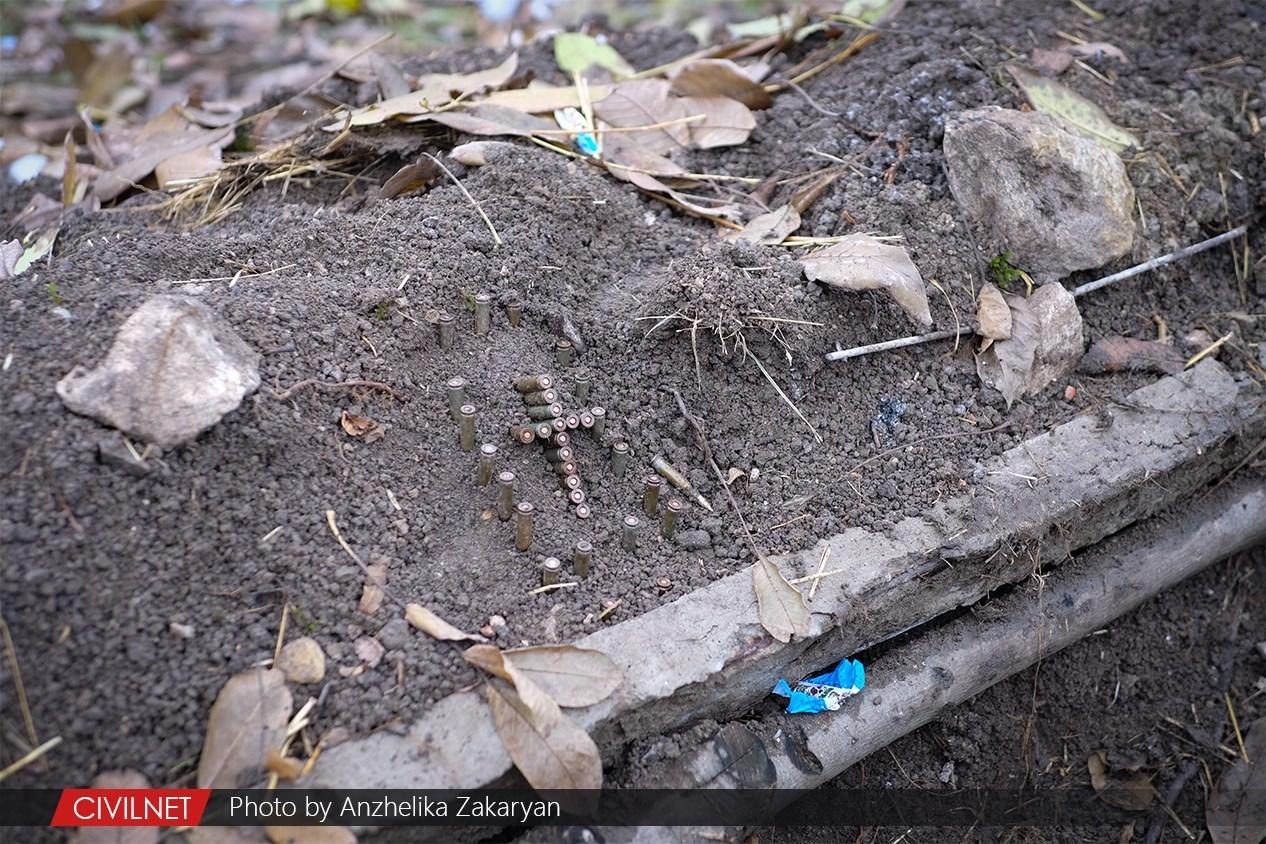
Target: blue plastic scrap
(826,691)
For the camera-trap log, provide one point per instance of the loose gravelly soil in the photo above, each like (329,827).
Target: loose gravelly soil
(97,564)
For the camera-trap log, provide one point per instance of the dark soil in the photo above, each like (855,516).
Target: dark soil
(1145,691)
(97,564)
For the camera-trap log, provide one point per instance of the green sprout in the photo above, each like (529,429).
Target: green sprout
(1005,273)
(55,294)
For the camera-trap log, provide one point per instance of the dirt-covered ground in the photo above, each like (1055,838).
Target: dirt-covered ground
(97,565)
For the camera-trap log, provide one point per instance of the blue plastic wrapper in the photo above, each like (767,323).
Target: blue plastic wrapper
(826,691)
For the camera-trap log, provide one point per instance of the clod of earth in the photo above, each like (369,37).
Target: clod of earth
(302,661)
(1061,202)
(175,369)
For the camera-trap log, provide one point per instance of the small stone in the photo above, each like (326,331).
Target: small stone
(302,661)
(394,634)
(184,631)
(174,370)
(112,451)
(694,540)
(1261,649)
(1057,201)
(496,621)
(1070,393)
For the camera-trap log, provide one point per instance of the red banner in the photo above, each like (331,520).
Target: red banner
(131,806)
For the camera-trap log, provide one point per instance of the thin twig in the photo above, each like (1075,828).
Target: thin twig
(551,587)
(1186,252)
(469,198)
(11,654)
(337,385)
(781,394)
(696,423)
(30,757)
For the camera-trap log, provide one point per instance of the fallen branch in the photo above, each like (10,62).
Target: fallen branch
(919,339)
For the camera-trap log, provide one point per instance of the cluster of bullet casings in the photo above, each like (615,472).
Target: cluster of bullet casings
(552,427)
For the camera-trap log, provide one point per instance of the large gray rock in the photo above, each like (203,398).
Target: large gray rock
(1059,202)
(174,370)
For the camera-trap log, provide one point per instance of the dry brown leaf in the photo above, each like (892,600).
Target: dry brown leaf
(572,676)
(993,316)
(1005,365)
(645,181)
(492,659)
(780,605)
(802,199)
(10,252)
(622,154)
(545,99)
(770,228)
(130,12)
(187,166)
(645,102)
(733,475)
(1236,812)
(168,137)
(70,170)
(719,78)
(310,835)
(286,767)
(359,426)
(1131,791)
(552,754)
(248,718)
(487,119)
(1050,62)
(120,834)
(1126,354)
(412,178)
(108,74)
(390,78)
(371,594)
(862,262)
(725,122)
(436,627)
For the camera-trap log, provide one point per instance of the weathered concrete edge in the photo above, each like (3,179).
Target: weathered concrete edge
(705,654)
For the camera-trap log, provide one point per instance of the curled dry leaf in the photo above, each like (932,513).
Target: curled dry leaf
(360,426)
(862,262)
(780,605)
(802,199)
(487,119)
(554,754)
(1126,354)
(310,835)
(248,718)
(993,316)
(769,228)
(1006,364)
(645,102)
(411,178)
(390,78)
(434,91)
(1236,812)
(1131,791)
(434,626)
(1072,109)
(719,78)
(120,834)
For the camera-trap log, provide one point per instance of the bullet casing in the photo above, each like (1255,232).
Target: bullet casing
(572,420)
(556,455)
(599,421)
(583,511)
(564,352)
(466,421)
(514,313)
(446,330)
(668,522)
(559,438)
(456,388)
(675,477)
(582,558)
(544,412)
(532,383)
(586,420)
(580,388)
(550,570)
(650,495)
(523,433)
(505,495)
(619,459)
(559,424)
(569,482)
(566,467)
(523,512)
(483,314)
(544,431)
(540,397)
(630,528)
(576,496)
(487,461)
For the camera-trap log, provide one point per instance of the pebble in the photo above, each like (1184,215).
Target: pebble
(694,540)
(394,634)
